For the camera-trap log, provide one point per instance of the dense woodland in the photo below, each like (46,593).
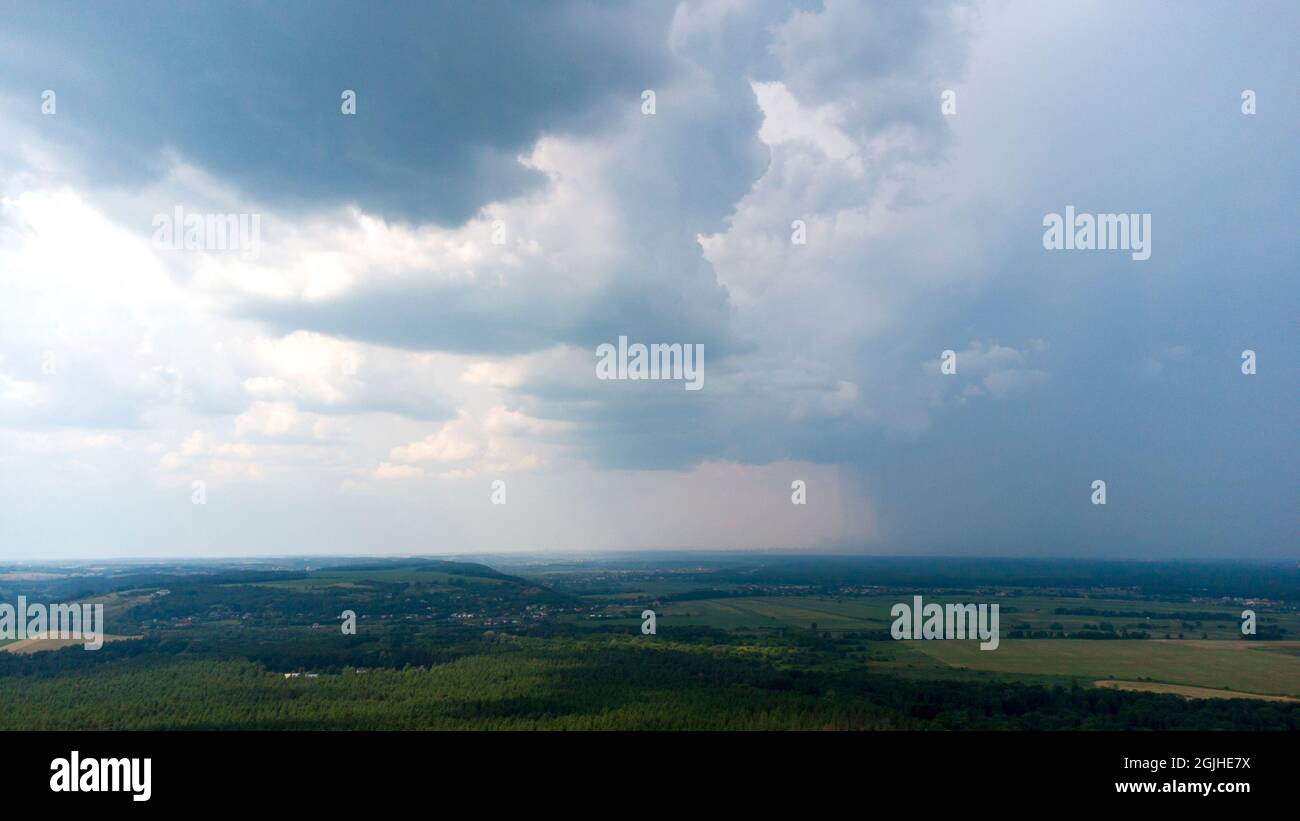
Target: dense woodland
(605,682)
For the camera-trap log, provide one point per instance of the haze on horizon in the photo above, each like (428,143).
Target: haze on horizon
(435,273)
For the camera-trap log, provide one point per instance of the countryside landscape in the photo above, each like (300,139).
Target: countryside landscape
(739,641)
(553,399)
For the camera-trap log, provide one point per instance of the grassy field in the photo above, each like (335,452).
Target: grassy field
(1184,690)
(1221,661)
(1017,612)
(834,615)
(355,578)
(1246,667)
(1039,613)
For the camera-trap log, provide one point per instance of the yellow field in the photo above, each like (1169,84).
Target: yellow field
(1184,690)
(26,646)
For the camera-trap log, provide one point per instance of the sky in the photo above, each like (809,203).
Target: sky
(401,354)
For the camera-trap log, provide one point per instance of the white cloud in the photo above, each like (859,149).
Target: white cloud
(785,120)
(388,470)
(452,443)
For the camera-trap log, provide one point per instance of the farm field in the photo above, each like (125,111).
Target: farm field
(1160,619)
(28,646)
(834,615)
(1037,613)
(1247,667)
(1221,661)
(359,578)
(1184,690)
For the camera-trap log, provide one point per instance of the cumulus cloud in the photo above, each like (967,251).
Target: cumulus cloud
(990,369)
(434,274)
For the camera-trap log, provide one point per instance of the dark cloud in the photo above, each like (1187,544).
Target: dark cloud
(448,93)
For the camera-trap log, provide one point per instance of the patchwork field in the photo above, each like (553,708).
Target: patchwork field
(357,578)
(1034,613)
(1185,691)
(1222,660)
(1246,667)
